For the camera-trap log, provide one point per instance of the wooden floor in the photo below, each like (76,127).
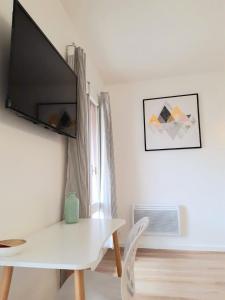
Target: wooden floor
(176,275)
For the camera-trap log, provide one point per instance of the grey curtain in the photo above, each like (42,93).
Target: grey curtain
(77,175)
(108,183)
(78,149)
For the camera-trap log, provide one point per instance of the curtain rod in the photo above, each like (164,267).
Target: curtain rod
(71,45)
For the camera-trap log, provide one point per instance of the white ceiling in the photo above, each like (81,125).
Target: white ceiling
(132,40)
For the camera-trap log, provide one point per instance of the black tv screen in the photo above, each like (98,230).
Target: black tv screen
(42,87)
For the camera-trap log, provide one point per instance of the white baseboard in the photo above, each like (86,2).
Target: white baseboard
(182,247)
(215,248)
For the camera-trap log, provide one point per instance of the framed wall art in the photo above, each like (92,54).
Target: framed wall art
(172,123)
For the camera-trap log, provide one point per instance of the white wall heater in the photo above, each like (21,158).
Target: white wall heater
(164,220)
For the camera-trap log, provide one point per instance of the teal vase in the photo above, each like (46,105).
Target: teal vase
(71,209)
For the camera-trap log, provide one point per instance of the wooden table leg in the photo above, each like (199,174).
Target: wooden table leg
(79,285)
(117,254)
(5,282)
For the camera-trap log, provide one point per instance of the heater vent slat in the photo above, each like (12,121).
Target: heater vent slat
(162,220)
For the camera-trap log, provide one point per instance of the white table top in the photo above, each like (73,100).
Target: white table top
(65,246)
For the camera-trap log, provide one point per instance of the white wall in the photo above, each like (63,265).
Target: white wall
(193,179)
(32,159)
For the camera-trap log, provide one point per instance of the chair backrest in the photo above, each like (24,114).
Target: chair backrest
(127,280)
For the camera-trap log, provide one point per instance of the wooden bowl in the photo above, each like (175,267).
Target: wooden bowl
(11,247)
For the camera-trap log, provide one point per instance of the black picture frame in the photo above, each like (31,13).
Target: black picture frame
(170,97)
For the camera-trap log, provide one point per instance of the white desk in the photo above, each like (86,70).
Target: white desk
(72,247)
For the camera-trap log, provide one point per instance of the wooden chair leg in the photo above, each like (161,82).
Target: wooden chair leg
(117,254)
(79,285)
(5,282)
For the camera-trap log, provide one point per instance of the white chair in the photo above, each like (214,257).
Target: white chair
(100,286)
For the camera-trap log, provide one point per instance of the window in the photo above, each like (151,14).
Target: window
(99,186)
(95,161)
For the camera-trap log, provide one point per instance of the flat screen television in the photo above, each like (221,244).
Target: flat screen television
(42,87)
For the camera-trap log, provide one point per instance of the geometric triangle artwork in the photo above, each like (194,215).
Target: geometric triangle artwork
(172,120)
